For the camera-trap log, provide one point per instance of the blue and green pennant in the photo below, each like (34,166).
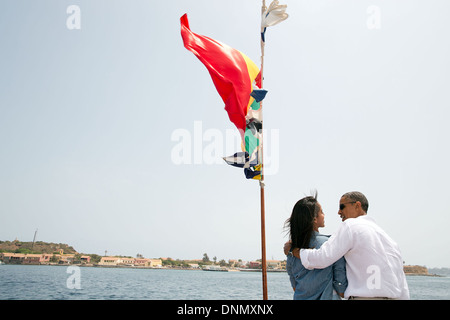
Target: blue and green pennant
(249,159)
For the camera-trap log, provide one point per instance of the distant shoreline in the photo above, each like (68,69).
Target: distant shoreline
(424,274)
(189,269)
(142,267)
(34,253)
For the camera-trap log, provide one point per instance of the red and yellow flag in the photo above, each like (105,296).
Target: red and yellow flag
(232,72)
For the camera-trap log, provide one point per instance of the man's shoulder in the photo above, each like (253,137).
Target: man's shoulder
(359,221)
(362,225)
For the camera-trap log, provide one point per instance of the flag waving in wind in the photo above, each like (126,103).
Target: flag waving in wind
(237,80)
(231,71)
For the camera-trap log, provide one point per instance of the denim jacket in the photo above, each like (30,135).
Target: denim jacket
(317,284)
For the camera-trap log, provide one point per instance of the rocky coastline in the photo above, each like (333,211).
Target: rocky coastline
(418,271)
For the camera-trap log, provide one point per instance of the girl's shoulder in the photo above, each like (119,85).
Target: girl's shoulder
(319,239)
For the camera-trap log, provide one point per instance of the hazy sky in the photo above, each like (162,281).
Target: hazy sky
(92,121)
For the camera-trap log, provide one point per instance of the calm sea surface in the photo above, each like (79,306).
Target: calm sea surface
(66,283)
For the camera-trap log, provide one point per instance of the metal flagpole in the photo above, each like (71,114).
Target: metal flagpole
(261,182)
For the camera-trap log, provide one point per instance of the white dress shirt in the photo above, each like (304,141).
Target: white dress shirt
(374,263)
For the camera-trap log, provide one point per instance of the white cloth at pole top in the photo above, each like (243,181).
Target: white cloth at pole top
(274,14)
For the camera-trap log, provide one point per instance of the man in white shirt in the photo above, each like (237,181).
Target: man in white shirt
(374,263)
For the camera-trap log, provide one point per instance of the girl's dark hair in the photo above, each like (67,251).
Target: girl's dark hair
(300,224)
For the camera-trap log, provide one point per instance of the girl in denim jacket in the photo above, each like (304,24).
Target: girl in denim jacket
(303,227)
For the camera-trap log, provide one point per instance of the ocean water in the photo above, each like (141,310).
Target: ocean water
(92,283)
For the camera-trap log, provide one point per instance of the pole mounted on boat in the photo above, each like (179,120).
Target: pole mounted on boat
(269,17)
(261,182)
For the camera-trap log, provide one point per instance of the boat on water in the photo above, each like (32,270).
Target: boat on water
(214,268)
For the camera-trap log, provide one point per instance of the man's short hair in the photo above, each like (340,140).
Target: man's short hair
(358,196)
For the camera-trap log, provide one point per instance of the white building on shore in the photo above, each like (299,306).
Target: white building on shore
(126,261)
